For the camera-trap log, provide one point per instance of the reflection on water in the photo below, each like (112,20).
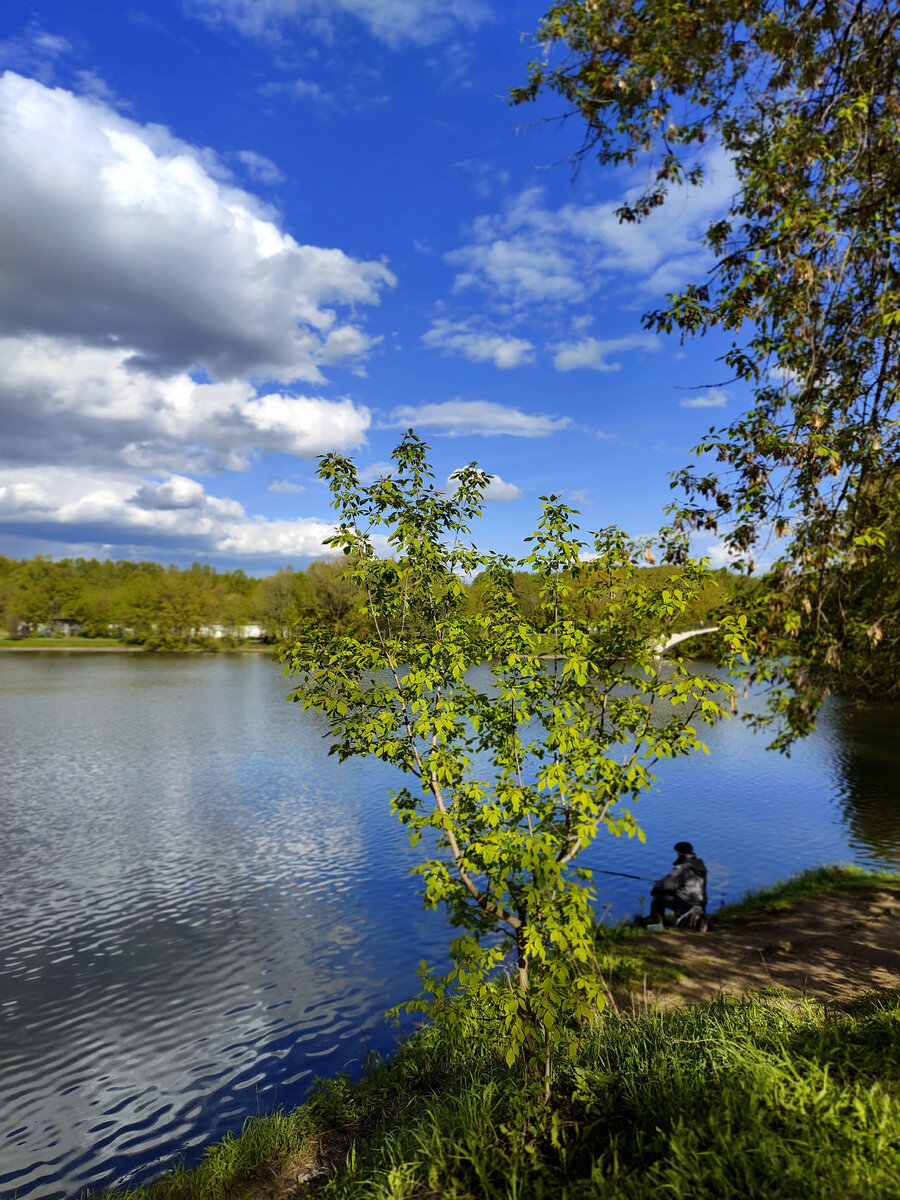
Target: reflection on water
(202,910)
(868,780)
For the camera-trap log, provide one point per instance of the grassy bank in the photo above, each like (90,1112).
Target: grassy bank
(765,1096)
(815,884)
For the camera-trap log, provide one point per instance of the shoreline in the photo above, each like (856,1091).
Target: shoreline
(130,650)
(825,1045)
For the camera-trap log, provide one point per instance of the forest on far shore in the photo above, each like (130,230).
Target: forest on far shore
(167,607)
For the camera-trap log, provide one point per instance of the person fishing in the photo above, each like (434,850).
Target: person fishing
(683,890)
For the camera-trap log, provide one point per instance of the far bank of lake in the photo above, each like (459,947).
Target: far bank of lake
(203,910)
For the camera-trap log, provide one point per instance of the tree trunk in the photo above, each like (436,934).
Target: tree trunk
(521,960)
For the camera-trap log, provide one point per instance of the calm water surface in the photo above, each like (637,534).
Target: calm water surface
(201,910)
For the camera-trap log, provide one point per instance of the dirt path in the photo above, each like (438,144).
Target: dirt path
(833,948)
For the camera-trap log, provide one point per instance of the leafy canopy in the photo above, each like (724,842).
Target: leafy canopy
(521,737)
(803,96)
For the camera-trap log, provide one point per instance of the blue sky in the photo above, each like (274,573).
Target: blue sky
(240,233)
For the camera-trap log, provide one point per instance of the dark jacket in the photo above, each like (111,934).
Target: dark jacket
(685,882)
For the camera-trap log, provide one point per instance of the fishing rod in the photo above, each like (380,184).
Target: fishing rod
(624,875)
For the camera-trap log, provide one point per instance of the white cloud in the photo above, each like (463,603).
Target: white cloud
(142,295)
(61,402)
(520,257)
(300,538)
(119,234)
(94,85)
(17,498)
(162,515)
(175,492)
(391,21)
(714,398)
(33,51)
(376,470)
(529,254)
(300,89)
(459,337)
(287,486)
(259,167)
(593,353)
(579,497)
(459,418)
(718,553)
(497,490)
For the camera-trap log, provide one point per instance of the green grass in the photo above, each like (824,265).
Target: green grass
(808,885)
(628,964)
(763,1097)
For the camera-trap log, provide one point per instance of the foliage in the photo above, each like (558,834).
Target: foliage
(763,1097)
(802,95)
(145,603)
(149,605)
(516,769)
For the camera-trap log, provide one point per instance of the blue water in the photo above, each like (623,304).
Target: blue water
(201,910)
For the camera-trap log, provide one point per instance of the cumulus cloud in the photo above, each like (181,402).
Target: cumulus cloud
(497,491)
(117,233)
(62,402)
(299,538)
(714,398)
(175,492)
(17,498)
(530,254)
(161,515)
(394,22)
(460,337)
(593,353)
(459,418)
(144,298)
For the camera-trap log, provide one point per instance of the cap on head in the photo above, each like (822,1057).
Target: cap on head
(683,848)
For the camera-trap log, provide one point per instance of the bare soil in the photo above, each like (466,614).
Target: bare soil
(833,947)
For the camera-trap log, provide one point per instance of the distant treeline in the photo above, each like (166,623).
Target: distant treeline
(148,604)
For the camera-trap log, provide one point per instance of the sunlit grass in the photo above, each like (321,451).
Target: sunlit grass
(807,885)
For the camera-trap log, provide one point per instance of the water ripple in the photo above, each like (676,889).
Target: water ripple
(202,911)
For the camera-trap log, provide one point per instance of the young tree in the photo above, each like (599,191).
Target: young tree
(803,97)
(516,767)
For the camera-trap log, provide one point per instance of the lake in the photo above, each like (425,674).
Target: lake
(202,910)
